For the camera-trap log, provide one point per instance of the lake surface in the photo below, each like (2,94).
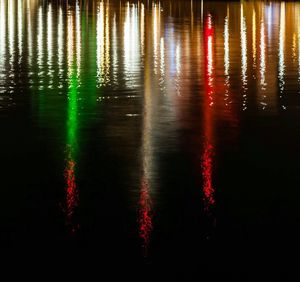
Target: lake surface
(153,140)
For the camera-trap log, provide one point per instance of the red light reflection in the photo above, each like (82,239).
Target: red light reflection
(71,193)
(145,216)
(207,156)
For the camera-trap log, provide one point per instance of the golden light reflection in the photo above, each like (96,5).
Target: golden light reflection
(254,37)
(281,65)
(244,57)
(262,55)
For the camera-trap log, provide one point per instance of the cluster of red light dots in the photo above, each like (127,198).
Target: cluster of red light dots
(72,194)
(145,216)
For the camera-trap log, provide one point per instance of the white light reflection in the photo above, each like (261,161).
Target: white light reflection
(40,51)
(29,33)
(11,35)
(2,37)
(70,46)
(114,51)
(244,57)
(178,69)
(156,34)
(281,68)
(50,45)
(226,57)
(60,40)
(162,65)
(131,42)
(262,66)
(100,43)
(78,42)
(20,28)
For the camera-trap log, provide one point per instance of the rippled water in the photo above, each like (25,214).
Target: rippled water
(159,137)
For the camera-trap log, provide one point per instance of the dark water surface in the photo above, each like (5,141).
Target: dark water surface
(154,140)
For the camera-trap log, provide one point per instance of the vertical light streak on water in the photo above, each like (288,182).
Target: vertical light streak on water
(11,38)
(2,42)
(145,201)
(29,33)
(72,196)
(208,149)
(281,63)
(294,47)
(50,46)
(156,34)
(40,51)
(298,30)
(142,29)
(107,47)
(131,43)
(20,29)
(60,47)
(254,38)
(244,57)
(162,65)
(115,52)
(178,69)
(100,44)
(262,65)
(226,58)
(78,41)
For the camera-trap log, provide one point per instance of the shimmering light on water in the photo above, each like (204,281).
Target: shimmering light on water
(164,117)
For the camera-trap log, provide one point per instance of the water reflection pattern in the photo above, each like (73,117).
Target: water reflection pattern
(159,53)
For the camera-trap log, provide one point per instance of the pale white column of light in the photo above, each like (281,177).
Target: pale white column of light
(11,35)
(178,68)
(244,56)
(78,41)
(70,44)
(50,45)
(60,46)
(29,33)
(107,48)
(20,29)
(142,28)
(131,43)
(226,57)
(162,65)
(100,43)
(155,36)
(281,63)
(114,51)
(2,38)
(40,51)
